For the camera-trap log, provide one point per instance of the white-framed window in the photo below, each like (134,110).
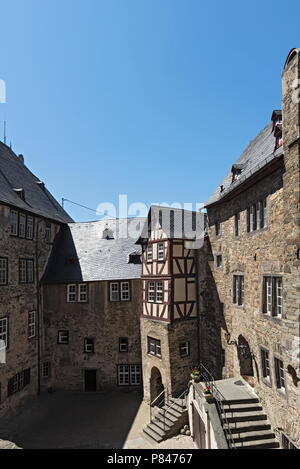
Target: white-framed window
(123,344)
(279,374)
(151,292)
(4,332)
(83,293)
(125,291)
(14,223)
(273,296)
(72,293)
(114,291)
(22,271)
(150,253)
(135,375)
(63,337)
(29,228)
(22,225)
(154,347)
(161,252)
(30,271)
(238,290)
(31,324)
(46,370)
(123,375)
(184,349)
(159,292)
(3,271)
(48,233)
(89,345)
(265,364)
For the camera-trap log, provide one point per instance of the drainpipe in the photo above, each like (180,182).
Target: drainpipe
(38,307)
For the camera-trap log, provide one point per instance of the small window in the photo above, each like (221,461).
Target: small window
(48,233)
(218,228)
(22,225)
(223,358)
(114,292)
(238,290)
(14,223)
(83,293)
(89,346)
(63,337)
(123,345)
(265,363)
(135,375)
(123,375)
(125,291)
(30,270)
(273,296)
(31,324)
(219,261)
(279,375)
(71,295)
(26,271)
(29,228)
(46,370)
(18,382)
(3,333)
(154,347)
(3,271)
(150,253)
(184,349)
(159,292)
(151,292)
(161,252)
(237,221)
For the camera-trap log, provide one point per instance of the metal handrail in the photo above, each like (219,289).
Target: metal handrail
(169,407)
(163,393)
(210,382)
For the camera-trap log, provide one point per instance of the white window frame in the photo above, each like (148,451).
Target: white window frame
(23,271)
(3,271)
(184,349)
(279,297)
(114,291)
(125,291)
(159,292)
(161,252)
(279,375)
(123,346)
(151,292)
(82,293)
(150,253)
(46,369)
(4,331)
(135,375)
(72,295)
(266,366)
(89,347)
(29,271)
(62,335)
(29,228)
(22,225)
(123,375)
(31,324)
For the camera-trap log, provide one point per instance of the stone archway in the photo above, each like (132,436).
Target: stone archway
(156,385)
(245,360)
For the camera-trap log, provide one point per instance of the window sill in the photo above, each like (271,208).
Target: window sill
(267,382)
(269,317)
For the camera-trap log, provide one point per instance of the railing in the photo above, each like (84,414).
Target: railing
(178,402)
(158,401)
(208,379)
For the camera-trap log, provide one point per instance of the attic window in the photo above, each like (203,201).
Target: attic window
(237,170)
(41,185)
(108,234)
(134,258)
(278,136)
(20,193)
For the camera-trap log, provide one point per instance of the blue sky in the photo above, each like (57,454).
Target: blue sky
(150,98)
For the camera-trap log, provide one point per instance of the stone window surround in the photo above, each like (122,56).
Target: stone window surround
(218,229)
(238,274)
(268,383)
(219,257)
(282,394)
(268,316)
(157,343)
(266,216)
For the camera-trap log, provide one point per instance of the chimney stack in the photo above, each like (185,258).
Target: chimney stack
(21,157)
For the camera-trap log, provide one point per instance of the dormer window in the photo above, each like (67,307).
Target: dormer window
(278,136)
(108,234)
(134,258)
(237,170)
(20,193)
(276,119)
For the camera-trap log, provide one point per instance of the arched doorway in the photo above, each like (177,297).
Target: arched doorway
(245,360)
(156,386)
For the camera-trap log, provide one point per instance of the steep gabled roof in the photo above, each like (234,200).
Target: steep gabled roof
(260,152)
(38,200)
(83,252)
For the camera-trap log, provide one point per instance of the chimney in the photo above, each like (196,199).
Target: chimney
(21,158)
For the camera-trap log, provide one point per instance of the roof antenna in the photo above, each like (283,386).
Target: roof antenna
(5,132)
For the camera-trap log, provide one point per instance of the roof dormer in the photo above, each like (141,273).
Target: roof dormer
(21,193)
(108,234)
(276,118)
(237,170)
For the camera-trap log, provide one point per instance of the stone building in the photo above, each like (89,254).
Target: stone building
(169,322)
(30,219)
(92,299)
(250,313)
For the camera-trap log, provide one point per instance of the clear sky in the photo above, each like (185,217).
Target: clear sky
(151,98)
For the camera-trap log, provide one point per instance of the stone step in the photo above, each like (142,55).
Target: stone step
(242,407)
(253,400)
(170,419)
(164,425)
(172,411)
(153,435)
(245,416)
(259,444)
(245,427)
(253,435)
(156,429)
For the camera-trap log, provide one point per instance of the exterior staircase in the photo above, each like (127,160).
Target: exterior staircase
(246,425)
(167,420)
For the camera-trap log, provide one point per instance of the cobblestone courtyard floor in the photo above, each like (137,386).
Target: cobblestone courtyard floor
(84,421)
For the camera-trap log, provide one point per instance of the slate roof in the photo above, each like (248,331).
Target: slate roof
(186,224)
(38,200)
(81,254)
(258,154)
